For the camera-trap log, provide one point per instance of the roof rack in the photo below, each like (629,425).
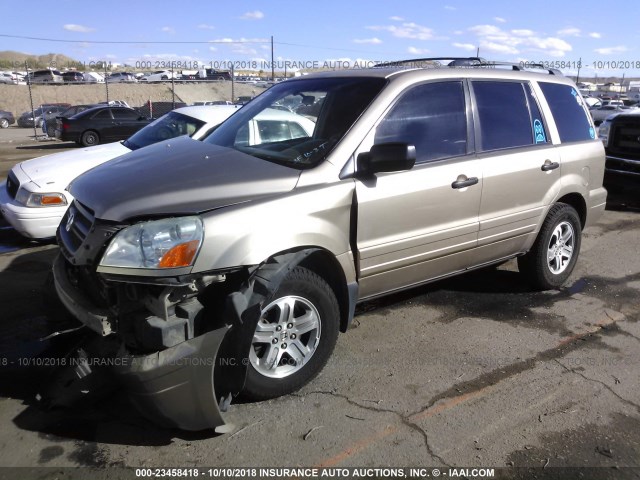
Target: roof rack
(470,62)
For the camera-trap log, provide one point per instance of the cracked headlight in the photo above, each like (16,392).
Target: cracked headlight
(169,243)
(29,199)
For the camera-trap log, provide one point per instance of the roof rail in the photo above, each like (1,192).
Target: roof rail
(469,62)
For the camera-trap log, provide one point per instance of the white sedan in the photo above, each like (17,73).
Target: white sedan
(34,198)
(159,76)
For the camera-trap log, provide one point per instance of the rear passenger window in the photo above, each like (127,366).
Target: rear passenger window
(125,114)
(568,111)
(503,114)
(103,114)
(539,130)
(432,118)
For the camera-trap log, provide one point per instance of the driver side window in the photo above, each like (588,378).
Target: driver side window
(431,117)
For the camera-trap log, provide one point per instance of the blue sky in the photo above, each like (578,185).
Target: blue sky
(355,31)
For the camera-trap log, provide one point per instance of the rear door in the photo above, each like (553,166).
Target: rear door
(520,165)
(102,122)
(418,224)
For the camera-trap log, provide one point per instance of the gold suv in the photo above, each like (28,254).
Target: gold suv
(230,265)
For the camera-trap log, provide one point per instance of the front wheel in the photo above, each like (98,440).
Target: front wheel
(294,337)
(555,252)
(4,123)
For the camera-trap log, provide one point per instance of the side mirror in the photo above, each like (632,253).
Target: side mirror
(386,157)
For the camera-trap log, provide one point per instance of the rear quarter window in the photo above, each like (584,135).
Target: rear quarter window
(569,112)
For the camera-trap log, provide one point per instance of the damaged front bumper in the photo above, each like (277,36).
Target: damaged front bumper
(173,387)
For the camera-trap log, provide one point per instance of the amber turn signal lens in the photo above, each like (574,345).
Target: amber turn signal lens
(53,200)
(180,255)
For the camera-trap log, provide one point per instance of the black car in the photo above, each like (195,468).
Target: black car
(49,126)
(6,119)
(100,124)
(621,137)
(73,77)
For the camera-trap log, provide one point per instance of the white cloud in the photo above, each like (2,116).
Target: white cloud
(483,30)
(417,51)
(512,42)
(464,46)
(406,30)
(373,41)
(569,32)
(556,47)
(72,27)
(170,30)
(254,15)
(204,26)
(449,7)
(595,35)
(396,19)
(458,32)
(523,32)
(499,19)
(611,50)
(498,47)
(241,46)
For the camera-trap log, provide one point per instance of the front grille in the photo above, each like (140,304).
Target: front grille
(74,227)
(624,139)
(12,185)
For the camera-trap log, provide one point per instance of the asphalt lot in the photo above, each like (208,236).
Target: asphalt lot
(473,371)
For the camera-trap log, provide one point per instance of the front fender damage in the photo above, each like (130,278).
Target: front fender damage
(175,387)
(190,385)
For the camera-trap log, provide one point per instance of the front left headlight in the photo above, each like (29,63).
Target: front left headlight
(29,199)
(168,243)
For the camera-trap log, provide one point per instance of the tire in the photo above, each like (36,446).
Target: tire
(4,123)
(307,345)
(90,138)
(555,252)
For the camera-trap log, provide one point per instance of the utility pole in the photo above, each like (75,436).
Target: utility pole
(273,69)
(33,114)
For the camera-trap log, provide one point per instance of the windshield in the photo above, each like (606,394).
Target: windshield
(298,122)
(171,125)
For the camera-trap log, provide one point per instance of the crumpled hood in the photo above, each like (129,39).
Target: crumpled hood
(54,172)
(178,176)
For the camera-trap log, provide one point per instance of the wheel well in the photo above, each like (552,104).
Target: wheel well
(578,203)
(324,264)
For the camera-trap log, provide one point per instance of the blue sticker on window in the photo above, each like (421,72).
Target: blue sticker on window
(592,132)
(538,131)
(573,92)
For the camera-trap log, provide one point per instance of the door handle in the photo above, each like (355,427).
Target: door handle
(464,183)
(547,165)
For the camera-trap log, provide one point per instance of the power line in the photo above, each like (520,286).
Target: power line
(191,42)
(41,39)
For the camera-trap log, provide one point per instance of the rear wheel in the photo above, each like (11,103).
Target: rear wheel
(90,138)
(294,337)
(554,254)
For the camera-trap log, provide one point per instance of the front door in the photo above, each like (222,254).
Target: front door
(420,224)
